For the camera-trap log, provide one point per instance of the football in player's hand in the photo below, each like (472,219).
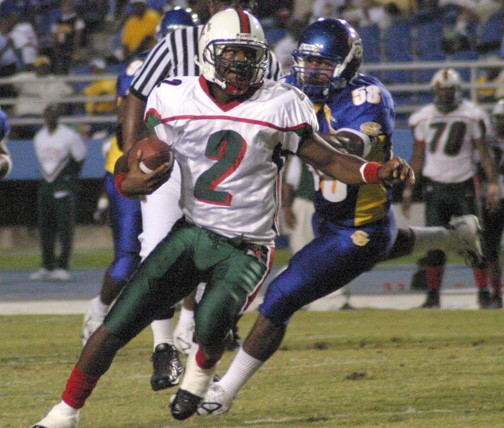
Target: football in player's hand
(154,154)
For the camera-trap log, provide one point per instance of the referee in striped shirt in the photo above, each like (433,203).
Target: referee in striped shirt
(174,55)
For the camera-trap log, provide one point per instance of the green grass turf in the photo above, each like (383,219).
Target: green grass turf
(100,258)
(363,368)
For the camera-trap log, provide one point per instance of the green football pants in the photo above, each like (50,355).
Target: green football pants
(233,270)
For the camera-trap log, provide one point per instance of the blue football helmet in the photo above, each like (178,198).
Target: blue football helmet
(176,18)
(125,78)
(326,39)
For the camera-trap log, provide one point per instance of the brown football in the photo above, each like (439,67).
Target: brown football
(154,153)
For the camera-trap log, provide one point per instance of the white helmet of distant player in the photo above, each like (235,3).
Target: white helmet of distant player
(233,28)
(447,87)
(498,118)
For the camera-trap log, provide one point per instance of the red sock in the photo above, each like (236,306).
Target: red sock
(434,276)
(78,388)
(480,277)
(203,362)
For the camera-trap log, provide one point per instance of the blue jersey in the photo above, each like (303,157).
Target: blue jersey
(4,125)
(365,106)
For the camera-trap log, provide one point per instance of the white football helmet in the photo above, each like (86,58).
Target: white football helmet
(447,86)
(233,28)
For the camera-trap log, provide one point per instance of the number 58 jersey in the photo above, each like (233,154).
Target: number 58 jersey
(230,155)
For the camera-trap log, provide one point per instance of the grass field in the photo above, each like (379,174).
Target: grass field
(101,257)
(364,368)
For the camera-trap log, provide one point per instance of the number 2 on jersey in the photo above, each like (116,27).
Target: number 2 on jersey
(228,149)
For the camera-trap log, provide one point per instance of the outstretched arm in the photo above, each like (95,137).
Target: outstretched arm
(352,169)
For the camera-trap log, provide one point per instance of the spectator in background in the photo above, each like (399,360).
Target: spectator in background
(36,89)
(327,8)
(8,60)
(24,39)
(362,13)
(489,75)
(100,87)
(67,35)
(60,152)
(93,13)
(139,32)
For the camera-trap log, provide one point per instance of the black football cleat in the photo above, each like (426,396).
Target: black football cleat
(184,405)
(497,301)
(167,367)
(432,301)
(484,299)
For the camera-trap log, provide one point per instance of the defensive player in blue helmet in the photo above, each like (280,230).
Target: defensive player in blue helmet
(355,226)
(176,18)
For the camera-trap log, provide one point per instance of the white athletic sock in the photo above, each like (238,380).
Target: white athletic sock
(431,238)
(162,331)
(186,320)
(98,307)
(63,408)
(242,368)
(196,380)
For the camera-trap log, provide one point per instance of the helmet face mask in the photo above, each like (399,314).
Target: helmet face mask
(238,65)
(327,58)
(446,84)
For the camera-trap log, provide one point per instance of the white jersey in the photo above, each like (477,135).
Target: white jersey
(229,155)
(54,150)
(449,141)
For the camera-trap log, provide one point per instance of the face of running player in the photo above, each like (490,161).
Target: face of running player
(236,65)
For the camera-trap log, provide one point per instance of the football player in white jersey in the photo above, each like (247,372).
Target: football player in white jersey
(229,136)
(446,134)
(173,55)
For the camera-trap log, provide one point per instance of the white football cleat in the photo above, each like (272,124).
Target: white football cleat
(467,231)
(60,416)
(40,275)
(92,321)
(60,275)
(183,339)
(216,402)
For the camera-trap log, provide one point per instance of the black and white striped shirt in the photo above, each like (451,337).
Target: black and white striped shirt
(173,56)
